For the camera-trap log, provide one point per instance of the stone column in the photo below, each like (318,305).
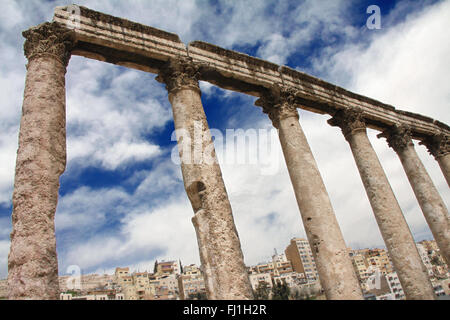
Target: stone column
(41,159)
(221,256)
(439,146)
(330,252)
(431,203)
(393,226)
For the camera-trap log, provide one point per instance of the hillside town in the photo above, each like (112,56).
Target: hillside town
(293,269)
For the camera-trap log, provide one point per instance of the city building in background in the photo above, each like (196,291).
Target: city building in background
(295,268)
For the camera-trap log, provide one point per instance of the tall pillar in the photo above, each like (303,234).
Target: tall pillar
(330,252)
(221,256)
(431,203)
(41,159)
(393,226)
(439,146)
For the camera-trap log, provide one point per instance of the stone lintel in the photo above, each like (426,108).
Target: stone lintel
(229,69)
(229,64)
(100,29)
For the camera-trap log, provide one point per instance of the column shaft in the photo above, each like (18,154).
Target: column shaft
(431,203)
(41,159)
(388,214)
(444,163)
(330,251)
(221,256)
(334,266)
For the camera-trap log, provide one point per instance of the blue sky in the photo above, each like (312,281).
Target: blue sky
(122,201)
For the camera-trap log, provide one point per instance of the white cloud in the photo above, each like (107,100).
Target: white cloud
(166,228)
(10,14)
(86,208)
(406,66)
(109,112)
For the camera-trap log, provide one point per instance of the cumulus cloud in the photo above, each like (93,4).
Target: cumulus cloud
(161,233)
(110,110)
(405,66)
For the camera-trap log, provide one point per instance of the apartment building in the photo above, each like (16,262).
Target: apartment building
(168,267)
(423,252)
(379,258)
(360,265)
(394,286)
(256,279)
(69,296)
(300,255)
(191,282)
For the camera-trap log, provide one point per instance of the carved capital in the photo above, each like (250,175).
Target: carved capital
(438,145)
(349,121)
(50,39)
(278,103)
(398,137)
(179,74)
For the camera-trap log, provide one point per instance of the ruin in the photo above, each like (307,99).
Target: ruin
(41,157)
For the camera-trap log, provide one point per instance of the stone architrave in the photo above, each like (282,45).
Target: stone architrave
(431,203)
(393,227)
(219,245)
(41,159)
(330,252)
(438,146)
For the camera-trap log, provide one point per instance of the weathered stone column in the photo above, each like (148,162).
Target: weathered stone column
(439,146)
(394,229)
(431,203)
(330,252)
(41,159)
(221,256)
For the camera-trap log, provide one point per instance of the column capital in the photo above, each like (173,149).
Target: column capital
(398,137)
(180,73)
(278,103)
(438,145)
(350,121)
(49,39)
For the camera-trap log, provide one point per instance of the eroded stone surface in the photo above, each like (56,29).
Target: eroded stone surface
(335,269)
(41,159)
(393,227)
(431,203)
(220,249)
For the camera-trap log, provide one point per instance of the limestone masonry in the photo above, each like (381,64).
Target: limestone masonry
(41,156)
